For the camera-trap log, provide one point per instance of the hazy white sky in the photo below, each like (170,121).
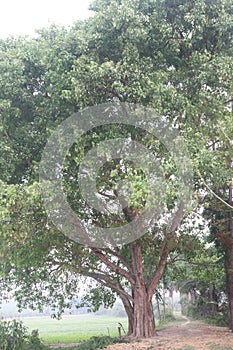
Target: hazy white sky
(22,17)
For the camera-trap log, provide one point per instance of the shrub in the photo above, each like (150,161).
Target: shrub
(14,336)
(219,320)
(168,317)
(96,343)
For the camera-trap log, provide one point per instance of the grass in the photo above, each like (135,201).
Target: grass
(79,328)
(170,322)
(74,328)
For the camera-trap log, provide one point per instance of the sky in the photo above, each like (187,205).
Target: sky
(22,17)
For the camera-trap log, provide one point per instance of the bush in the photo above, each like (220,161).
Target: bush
(14,336)
(201,310)
(96,343)
(219,320)
(168,317)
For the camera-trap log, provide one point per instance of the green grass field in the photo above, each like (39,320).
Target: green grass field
(75,328)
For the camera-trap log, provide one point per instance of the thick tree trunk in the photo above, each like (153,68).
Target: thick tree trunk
(138,306)
(138,300)
(144,322)
(139,310)
(141,322)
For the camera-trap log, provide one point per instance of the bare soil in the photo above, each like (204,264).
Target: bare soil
(186,336)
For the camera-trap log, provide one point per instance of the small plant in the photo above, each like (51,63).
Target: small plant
(96,343)
(14,336)
(220,347)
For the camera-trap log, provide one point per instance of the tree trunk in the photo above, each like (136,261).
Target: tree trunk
(158,307)
(139,307)
(141,322)
(229,260)
(139,310)
(164,305)
(144,322)
(229,283)
(130,314)
(214,300)
(136,299)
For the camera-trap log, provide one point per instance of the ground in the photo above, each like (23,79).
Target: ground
(189,335)
(186,336)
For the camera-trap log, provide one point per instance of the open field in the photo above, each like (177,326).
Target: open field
(74,328)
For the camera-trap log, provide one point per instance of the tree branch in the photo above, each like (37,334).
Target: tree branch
(151,287)
(112,266)
(212,192)
(105,281)
(122,259)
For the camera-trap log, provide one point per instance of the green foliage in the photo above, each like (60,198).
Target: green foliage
(167,318)
(101,296)
(14,336)
(202,308)
(221,319)
(202,295)
(191,310)
(96,343)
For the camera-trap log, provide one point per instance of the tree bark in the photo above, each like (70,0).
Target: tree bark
(139,309)
(158,307)
(141,322)
(214,300)
(144,322)
(229,283)
(130,314)
(229,260)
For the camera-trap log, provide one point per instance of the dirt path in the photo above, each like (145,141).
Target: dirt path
(187,321)
(187,336)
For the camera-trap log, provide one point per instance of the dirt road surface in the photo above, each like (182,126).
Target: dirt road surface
(187,336)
